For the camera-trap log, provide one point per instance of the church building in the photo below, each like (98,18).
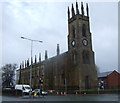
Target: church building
(71,70)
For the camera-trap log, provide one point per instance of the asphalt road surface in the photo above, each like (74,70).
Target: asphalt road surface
(106,98)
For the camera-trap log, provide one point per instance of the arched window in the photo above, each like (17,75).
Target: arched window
(86,82)
(86,57)
(73,31)
(84,30)
(74,57)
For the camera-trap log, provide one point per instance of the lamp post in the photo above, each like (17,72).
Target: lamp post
(31,59)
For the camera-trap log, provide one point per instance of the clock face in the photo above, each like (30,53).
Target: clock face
(85,42)
(73,43)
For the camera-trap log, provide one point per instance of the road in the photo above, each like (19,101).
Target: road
(103,98)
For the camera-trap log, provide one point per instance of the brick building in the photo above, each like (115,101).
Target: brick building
(111,79)
(72,70)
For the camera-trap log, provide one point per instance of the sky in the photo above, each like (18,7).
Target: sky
(47,21)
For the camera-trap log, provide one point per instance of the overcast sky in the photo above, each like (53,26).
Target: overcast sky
(47,21)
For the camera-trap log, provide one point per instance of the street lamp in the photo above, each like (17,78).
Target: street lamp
(31,58)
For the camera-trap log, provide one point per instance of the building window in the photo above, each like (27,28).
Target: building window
(74,58)
(86,82)
(84,30)
(85,57)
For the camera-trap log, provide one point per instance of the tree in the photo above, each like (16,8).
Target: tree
(8,75)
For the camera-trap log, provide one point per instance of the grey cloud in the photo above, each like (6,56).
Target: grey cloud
(48,22)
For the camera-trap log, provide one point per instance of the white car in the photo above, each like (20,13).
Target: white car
(37,91)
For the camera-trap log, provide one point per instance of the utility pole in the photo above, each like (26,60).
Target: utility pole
(31,59)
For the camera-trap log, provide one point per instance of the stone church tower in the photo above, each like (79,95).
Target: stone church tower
(72,70)
(80,48)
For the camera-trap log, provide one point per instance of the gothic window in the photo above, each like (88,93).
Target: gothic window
(86,82)
(74,58)
(86,57)
(73,31)
(84,30)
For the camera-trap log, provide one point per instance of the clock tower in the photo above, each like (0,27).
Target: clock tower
(80,47)
(79,36)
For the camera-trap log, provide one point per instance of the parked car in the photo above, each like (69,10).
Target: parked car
(37,91)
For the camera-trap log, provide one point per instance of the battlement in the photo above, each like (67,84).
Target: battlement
(82,14)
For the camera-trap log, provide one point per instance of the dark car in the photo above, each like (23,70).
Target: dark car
(38,92)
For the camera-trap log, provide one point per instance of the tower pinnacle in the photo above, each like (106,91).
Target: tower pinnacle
(58,49)
(73,12)
(22,64)
(87,9)
(77,10)
(46,56)
(82,8)
(39,57)
(68,13)
(25,64)
(35,59)
(28,62)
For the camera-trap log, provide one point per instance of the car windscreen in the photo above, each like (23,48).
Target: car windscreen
(36,90)
(27,87)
